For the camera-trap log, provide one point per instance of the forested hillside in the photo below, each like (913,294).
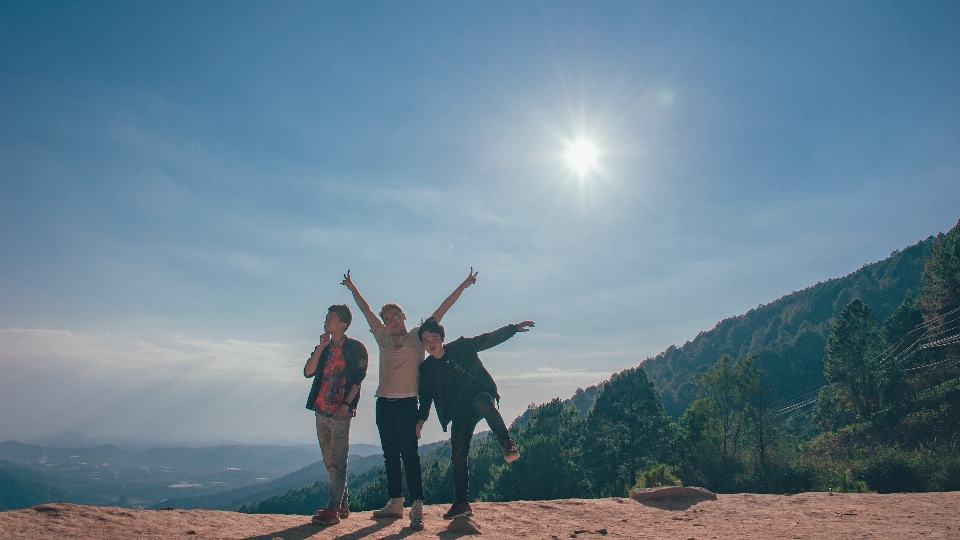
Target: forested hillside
(787,335)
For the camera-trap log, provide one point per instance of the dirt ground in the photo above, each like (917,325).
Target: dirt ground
(808,515)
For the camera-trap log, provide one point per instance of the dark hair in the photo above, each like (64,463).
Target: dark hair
(430,325)
(343,313)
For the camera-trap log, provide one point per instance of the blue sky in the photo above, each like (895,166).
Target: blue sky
(183,185)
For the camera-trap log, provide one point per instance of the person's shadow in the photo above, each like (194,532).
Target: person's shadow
(302,532)
(461,526)
(377,525)
(457,528)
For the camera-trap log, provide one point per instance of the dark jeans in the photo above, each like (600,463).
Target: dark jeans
(397,423)
(461,433)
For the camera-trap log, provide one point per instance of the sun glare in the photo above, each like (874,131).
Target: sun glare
(582,156)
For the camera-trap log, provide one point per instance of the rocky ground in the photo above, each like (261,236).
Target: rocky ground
(808,515)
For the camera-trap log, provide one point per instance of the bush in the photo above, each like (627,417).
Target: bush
(798,478)
(891,470)
(843,482)
(656,476)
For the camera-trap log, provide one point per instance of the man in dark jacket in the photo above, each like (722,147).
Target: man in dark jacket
(338,365)
(455,380)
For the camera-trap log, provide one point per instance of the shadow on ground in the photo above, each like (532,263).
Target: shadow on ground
(302,532)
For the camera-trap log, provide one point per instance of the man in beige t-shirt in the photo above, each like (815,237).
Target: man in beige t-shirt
(401,353)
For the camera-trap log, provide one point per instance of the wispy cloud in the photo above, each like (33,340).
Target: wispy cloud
(146,361)
(555,375)
(174,386)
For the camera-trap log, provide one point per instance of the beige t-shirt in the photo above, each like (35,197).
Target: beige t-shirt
(400,359)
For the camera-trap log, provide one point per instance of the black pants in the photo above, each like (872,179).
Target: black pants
(397,423)
(461,433)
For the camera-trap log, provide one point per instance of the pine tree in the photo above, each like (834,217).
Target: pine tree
(551,466)
(627,430)
(850,362)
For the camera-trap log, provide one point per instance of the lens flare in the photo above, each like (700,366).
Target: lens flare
(582,156)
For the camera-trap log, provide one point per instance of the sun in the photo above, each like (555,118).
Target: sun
(582,156)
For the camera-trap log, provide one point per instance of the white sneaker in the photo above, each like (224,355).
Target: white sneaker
(393,509)
(416,515)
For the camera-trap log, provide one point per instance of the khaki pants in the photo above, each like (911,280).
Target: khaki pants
(334,436)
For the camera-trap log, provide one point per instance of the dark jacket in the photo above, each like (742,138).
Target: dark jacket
(355,356)
(453,382)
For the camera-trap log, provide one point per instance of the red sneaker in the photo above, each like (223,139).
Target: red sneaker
(327,516)
(459,509)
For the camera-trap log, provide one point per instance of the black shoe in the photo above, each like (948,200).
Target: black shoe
(459,509)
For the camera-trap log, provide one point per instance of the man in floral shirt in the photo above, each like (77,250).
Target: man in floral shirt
(338,365)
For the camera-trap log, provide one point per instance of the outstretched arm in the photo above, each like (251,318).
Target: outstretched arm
(452,299)
(492,339)
(371,317)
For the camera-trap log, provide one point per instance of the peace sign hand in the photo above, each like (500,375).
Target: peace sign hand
(471,279)
(347,281)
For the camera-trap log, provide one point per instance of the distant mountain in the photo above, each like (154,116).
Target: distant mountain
(30,454)
(23,488)
(232,499)
(137,477)
(363,449)
(266,460)
(78,439)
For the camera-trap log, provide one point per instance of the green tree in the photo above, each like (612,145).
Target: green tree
(372,494)
(729,387)
(939,299)
(761,430)
(724,438)
(833,409)
(899,335)
(437,476)
(851,361)
(941,287)
(626,430)
(696,453)
(551,464)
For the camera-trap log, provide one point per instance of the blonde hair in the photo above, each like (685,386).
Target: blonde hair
(390,306)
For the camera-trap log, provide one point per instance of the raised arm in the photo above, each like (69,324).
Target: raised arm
(452,299)
(368,313)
